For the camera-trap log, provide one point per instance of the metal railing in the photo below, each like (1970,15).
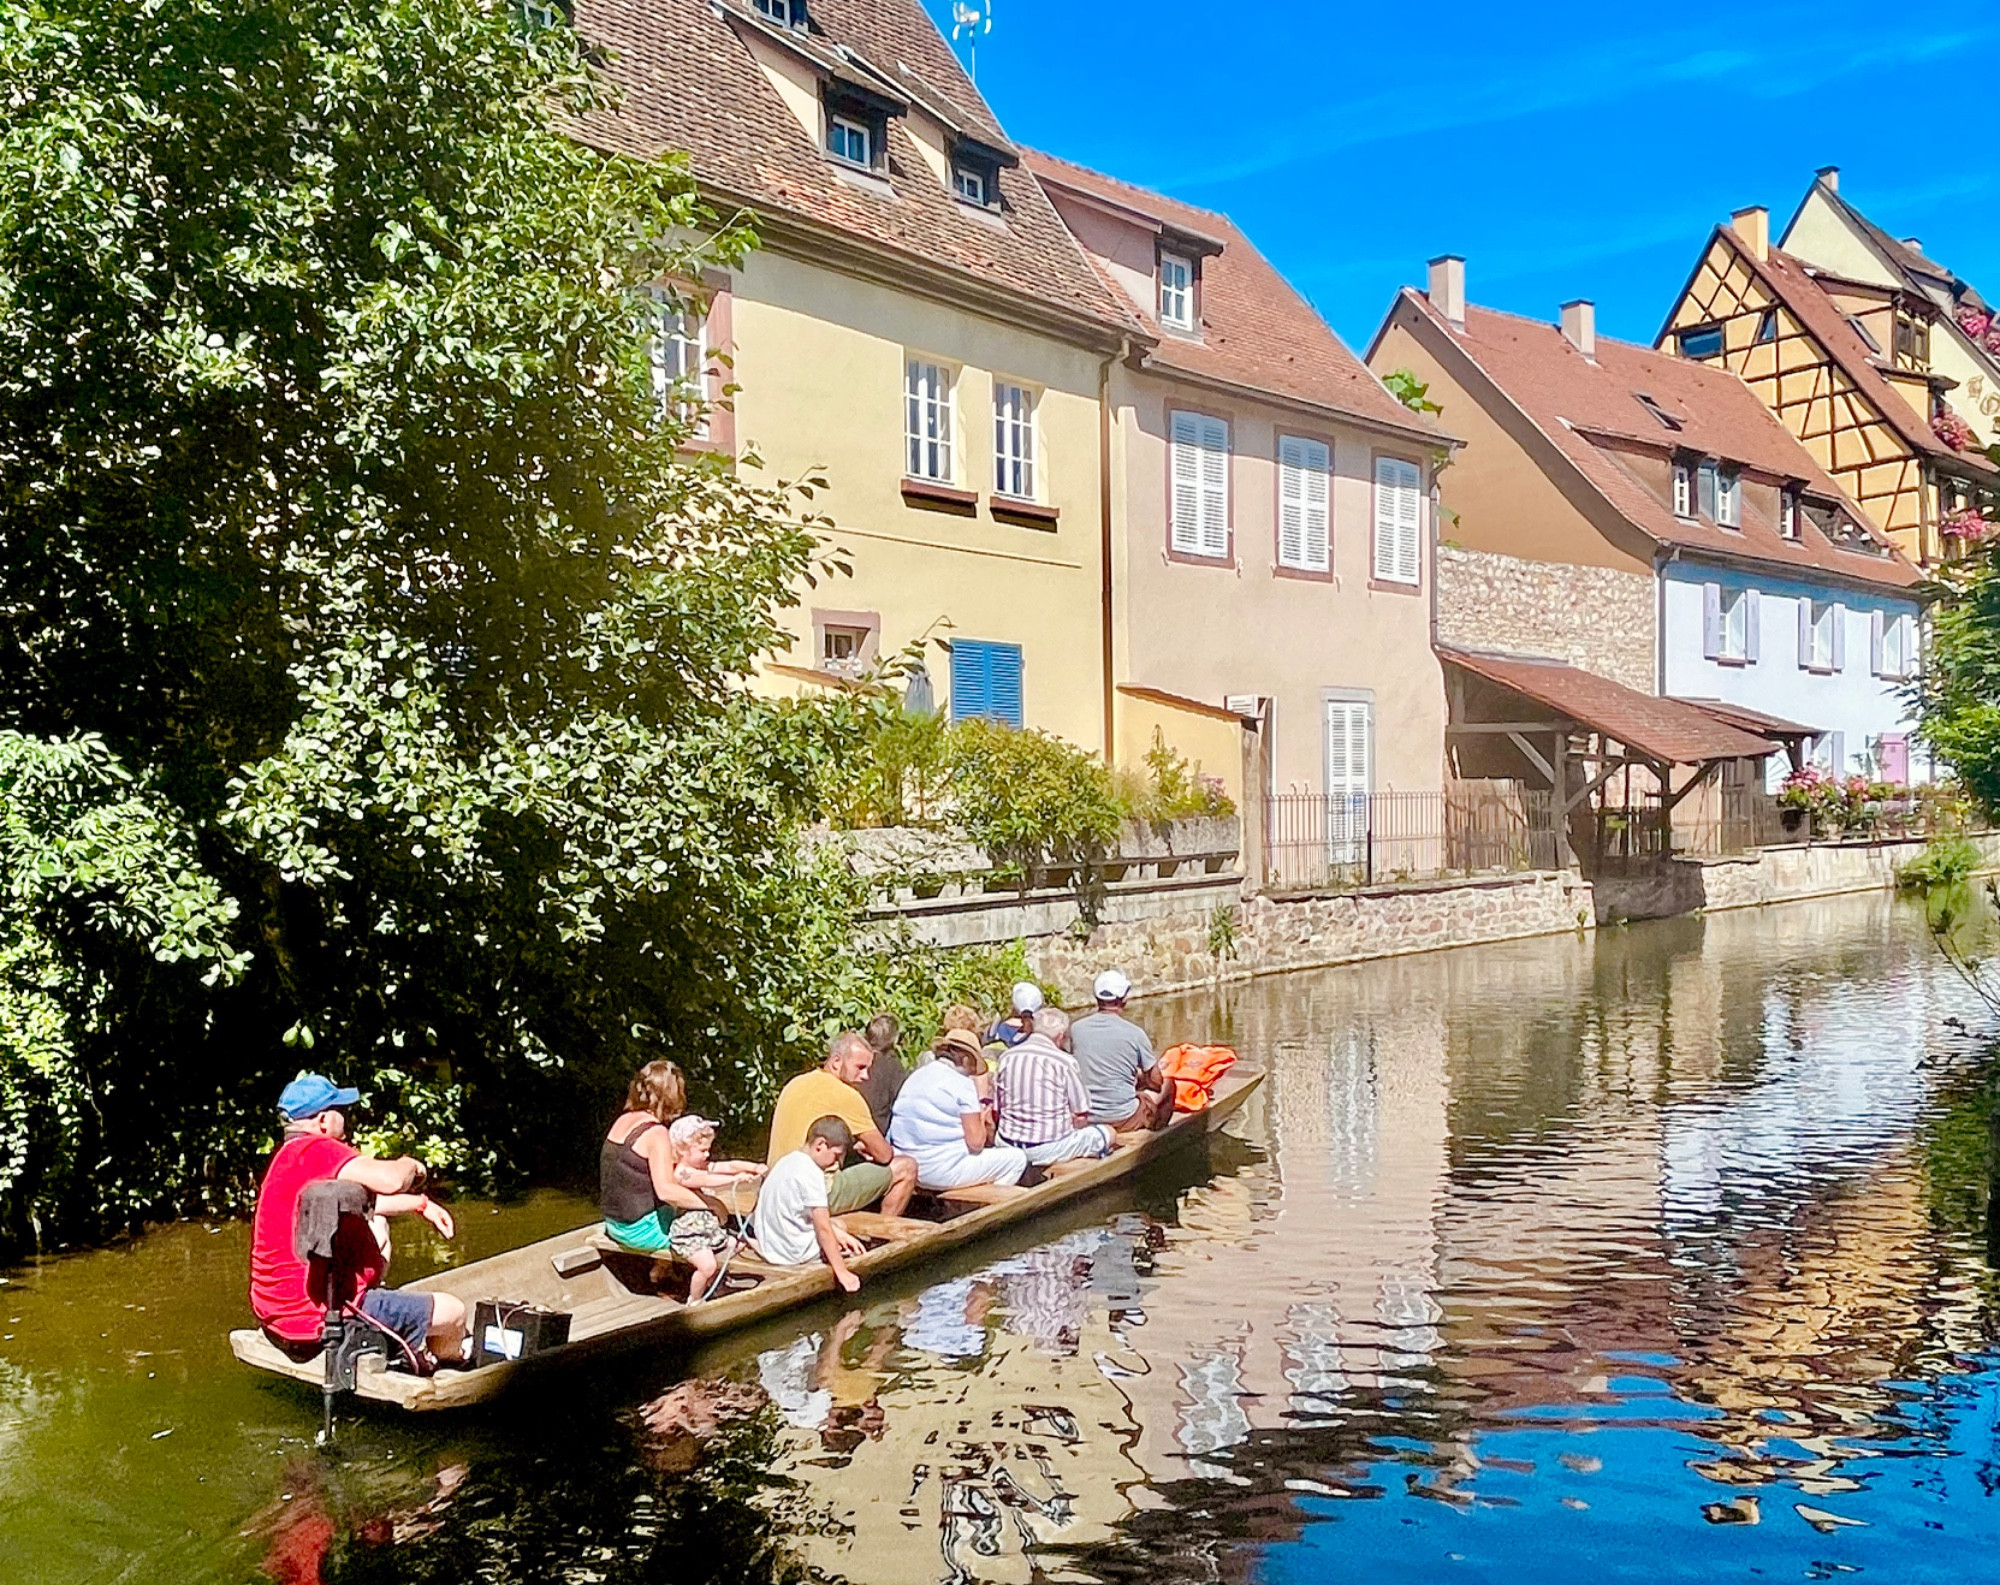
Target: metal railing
(1747,820)
(1314,842)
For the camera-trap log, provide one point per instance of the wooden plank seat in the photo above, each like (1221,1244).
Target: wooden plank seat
(981,1194)
(883,1229)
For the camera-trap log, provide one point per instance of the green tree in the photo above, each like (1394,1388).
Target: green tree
(1958,695)
(335,499)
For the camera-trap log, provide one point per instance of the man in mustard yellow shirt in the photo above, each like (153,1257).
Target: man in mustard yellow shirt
(831,1090)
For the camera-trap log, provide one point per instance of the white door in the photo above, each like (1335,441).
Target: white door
(1347,779)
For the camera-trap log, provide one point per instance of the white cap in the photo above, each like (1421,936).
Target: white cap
(1027,997)
(683,1129)
(1112,986)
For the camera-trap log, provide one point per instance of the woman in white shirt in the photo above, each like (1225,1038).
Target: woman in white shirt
(943,1121)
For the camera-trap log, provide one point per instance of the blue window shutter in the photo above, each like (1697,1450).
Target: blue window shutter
(1004,674)
(985,681)
(968,679)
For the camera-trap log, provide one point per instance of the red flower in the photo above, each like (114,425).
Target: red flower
(1954,431)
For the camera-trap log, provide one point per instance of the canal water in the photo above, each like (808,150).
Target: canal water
(1659,1255)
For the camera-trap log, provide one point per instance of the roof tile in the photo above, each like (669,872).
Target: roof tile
(1591,411)
(1257,331)
(685,79)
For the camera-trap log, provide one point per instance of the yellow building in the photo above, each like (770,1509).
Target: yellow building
(917,325)
(1846,365)
(1830,234)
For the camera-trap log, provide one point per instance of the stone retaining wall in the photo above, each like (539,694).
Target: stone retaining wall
(1271,936)
(1775,875)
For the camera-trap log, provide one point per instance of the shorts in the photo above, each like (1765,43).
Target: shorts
(695,1231)
(652,1234)
(406,1314)
(856,1188)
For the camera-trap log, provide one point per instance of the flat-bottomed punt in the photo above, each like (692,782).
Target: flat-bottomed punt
(607,1294)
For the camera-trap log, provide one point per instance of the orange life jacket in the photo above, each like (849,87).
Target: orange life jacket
(1195,1070)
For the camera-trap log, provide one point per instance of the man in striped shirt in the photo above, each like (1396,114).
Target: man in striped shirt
(1044,1108)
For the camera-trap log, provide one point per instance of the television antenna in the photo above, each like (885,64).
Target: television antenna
(969,20)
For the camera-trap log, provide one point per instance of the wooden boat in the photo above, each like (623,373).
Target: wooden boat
(613,1305)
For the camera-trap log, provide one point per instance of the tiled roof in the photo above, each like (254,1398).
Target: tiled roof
(1794,284)
(685,79)
(1775,727)
(1670,730)
(1919,271)
(1256,330)
(1591,411)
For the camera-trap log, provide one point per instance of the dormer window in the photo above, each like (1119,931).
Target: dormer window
(786,13)
(1867,336)
(969,184)
(1913,342)
(851,142)
(1176,291)
(1683,490)
(1788,513)
(1719,494)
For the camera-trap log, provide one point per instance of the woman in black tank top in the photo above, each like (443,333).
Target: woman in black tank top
(637,1191)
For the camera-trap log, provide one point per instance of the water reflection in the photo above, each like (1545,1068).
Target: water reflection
(1627,1238)
(1659,1255)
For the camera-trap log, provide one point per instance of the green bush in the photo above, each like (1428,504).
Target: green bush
(1945,862)
(1171,789)
(1030,799)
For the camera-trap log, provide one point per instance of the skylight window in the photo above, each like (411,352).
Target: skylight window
(1701,342)
(1862,331)
(1653,407)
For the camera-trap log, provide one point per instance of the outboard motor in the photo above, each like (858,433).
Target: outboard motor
(328,1216)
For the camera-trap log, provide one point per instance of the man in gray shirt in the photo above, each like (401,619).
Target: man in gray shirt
(1120,1072)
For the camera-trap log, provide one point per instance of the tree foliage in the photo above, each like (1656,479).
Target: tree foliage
(1959,692)
(351,572)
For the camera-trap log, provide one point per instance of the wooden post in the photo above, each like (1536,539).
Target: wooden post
(1255,811)
(1565,854)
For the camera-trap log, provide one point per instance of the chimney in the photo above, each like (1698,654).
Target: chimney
(1914,244)
(1753,225)
(1579,326)
(1447,288)
(1829,177)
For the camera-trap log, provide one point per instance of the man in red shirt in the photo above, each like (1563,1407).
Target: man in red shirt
(314,1111)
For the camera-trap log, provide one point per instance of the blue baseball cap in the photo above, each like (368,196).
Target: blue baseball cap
(312,1093)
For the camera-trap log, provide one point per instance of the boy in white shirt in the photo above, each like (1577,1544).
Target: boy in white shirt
(793,1224)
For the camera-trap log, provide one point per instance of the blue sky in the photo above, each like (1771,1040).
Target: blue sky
(1566,150)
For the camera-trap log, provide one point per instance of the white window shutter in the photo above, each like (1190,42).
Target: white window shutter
(1753,626)
(1878,634)
(1291,503)
(1805,632)
(1840,637)
(1410,526)
(1711,621)
(1319,511)
(1385,519)
(1214,488)
(1187,484)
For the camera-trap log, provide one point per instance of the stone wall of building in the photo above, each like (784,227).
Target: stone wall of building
(1598,618)
(1268,936)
